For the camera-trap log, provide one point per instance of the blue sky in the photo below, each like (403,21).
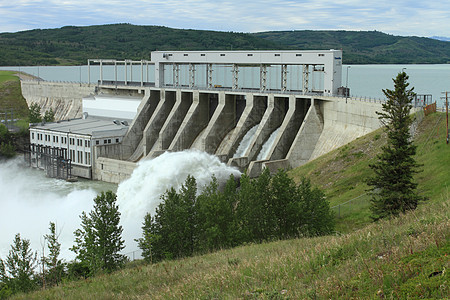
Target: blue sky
(398,17)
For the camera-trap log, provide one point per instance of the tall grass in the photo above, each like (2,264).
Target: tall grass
(342,172)
(399,258)
(393,258)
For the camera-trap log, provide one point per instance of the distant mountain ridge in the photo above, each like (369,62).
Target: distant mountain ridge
(441,38)
(73,45)
(367,47)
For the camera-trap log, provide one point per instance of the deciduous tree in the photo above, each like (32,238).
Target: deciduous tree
(55,266)
(17,271)
(99,240)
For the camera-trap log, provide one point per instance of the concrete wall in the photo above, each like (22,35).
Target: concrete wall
(251,116)
(345,121)
(111,170)
(156,122)
(80,171)
(193,124)
(174,120)
(65,99)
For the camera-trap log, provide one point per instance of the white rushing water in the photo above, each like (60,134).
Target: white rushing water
(245,143)
(267,145)
(29,201)
(142,191)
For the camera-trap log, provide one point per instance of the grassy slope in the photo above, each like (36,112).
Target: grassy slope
(11,94)
(342,172)
(399,258)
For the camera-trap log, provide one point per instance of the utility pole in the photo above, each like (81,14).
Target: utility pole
(446,111)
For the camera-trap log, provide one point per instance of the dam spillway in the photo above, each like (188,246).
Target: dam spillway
(192,105)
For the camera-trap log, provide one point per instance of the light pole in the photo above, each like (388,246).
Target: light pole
(346,85)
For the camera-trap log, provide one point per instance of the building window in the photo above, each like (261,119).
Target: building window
(32,135)
(222,54)
(117,140)
(185,54)
(298,54)
(203,54)
(105,142)
(277,54)
(249,54)
(97,142)
(321,54)
(109,141)
(80,157)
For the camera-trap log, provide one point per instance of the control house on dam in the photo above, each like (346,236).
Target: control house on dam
(252,109)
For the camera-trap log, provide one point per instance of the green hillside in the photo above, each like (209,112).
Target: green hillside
(11,95)
(366,47)
(74,45)
(400,258)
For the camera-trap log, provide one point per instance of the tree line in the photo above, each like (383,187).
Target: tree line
(270,207)
(248,210)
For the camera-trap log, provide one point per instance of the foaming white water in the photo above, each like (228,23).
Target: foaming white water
(267,145)
(29,201)
(245,143)
(142,191)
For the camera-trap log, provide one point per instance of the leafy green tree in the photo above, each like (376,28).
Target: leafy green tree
(34,114)
(55,266)
(7,148)
(393,189)
(283,205)
(314,214)
(49,116)
(216,219)
(253,211)
(17,271)
(99,240)
(148,243)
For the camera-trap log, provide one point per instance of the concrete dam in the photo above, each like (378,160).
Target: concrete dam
(290,109)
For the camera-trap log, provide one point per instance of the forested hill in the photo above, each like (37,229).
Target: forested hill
(366,47)
(74,45)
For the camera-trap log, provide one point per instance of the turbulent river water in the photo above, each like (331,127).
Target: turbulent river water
(29,200)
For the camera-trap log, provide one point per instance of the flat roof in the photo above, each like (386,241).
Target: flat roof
(96,127)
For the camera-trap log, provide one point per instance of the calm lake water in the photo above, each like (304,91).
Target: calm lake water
(363,80)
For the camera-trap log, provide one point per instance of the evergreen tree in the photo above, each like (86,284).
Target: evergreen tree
(393,189)
(17,271)
(99,240)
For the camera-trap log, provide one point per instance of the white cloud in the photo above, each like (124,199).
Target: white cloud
(402,17)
